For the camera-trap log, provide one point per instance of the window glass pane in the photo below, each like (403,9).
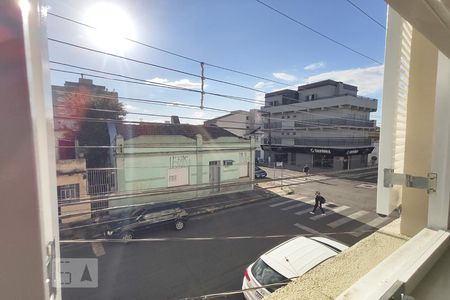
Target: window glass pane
(266,275)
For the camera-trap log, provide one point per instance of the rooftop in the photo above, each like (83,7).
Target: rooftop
(325,83)
(129,131)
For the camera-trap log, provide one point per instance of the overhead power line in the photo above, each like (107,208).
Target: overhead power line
(151,102)
(367,15)
(318,33)
(309,123)
(153,65)
(172,53)
(194,187)
(120,121)
(141,81)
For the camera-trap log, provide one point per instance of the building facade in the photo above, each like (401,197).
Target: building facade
(74,180)
(172,162)
(70,106)
(244,124)
(324,124)
(73,199)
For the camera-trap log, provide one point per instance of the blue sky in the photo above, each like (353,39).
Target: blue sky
(238,34)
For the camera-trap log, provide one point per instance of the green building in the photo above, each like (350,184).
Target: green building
(171,162)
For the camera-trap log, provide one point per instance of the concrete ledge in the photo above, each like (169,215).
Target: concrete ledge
(408,265)
(331,278)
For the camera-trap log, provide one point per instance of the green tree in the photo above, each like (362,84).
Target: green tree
(94,129)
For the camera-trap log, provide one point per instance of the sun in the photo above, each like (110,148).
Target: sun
(111,25)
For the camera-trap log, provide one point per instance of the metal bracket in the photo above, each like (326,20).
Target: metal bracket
(429,183)
(51,268)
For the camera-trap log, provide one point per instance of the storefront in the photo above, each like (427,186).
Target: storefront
(320,158)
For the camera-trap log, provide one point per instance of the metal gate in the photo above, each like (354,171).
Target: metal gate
(214,175)
(101,182)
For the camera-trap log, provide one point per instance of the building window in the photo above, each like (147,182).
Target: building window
(282,117)
(294,133)
(66,149)
(311,97)
(288,117)
(69,192)
(246,118)
(177,177)
(228,162)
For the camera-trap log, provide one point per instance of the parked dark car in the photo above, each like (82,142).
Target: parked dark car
(260,173)
(146,217)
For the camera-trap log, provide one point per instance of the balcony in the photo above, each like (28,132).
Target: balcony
(334,101)
(70,166)
(272,125)
(335,122)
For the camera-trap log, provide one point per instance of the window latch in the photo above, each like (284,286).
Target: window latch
(428,183)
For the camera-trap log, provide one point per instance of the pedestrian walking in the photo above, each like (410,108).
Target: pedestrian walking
(319,201)
(306,170)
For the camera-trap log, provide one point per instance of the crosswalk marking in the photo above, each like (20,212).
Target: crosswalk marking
(293,181)
(346,219)
(330,212)
(302,212)
(294,206)
(374,223)
(281,203)
(315,232)
(307,229)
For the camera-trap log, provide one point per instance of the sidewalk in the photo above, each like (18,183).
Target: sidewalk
(95,227)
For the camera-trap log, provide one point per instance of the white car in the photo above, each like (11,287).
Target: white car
(289,260)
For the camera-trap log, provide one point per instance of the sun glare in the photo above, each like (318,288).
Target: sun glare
(112,25)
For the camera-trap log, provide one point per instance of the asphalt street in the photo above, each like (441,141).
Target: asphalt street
(210,255)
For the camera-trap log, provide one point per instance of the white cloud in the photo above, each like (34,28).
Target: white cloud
(129,107)
(368,80)
(284,76)
(261,86)
(183,83)
(314,66)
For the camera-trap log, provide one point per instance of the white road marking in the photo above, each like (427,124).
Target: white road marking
(310,230)
(329,212)
(374,223)
(344,220)
(366,186)
(294,206)
(281,203)
(98,249)
(293,181)
(302,212)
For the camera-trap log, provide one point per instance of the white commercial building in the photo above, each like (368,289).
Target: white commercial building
(244,124)
(323,124)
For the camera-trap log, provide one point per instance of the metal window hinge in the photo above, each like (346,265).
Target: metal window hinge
(51,268)
(429,183)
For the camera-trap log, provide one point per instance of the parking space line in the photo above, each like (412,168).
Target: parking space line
(346,219)
(282,203)
(374,223)
(329,212)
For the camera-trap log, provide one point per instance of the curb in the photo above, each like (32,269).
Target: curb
(210,210)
